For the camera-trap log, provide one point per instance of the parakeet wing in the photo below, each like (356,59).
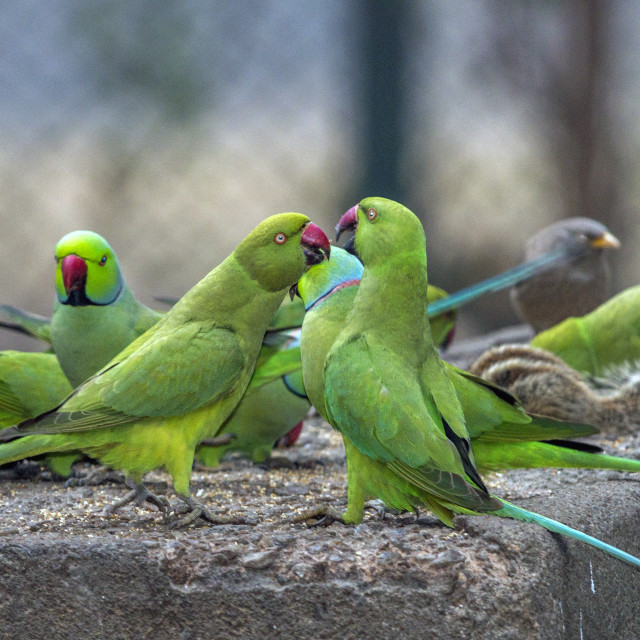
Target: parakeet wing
(378,404)
(493,414)
(9,402)
(279,364)
(176,372)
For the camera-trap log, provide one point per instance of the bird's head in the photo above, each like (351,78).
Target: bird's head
(87,270)
(322,279)
(277,252)
(575,236)
(382,228)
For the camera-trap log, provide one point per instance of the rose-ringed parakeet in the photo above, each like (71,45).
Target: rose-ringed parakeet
(88,332)
(575,285)
(95,315)
(603,339)
(329,289)
(400,411)
(176,384)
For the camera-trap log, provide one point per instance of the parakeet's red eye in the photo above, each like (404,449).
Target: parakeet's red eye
(372,214)
(280,238)
(103,261)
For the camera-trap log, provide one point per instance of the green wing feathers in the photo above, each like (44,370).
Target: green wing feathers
(30,383)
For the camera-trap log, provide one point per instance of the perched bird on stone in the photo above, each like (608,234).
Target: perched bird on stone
(329,290)
(575,285)
(176,384)
(402,413)
(95,316)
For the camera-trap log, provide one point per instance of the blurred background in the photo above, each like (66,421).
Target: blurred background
(173,128)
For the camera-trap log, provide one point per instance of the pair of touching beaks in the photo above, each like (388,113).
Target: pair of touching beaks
(316,241)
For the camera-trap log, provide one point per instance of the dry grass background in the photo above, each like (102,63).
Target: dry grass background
(173,133)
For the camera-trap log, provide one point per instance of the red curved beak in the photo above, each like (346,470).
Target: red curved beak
(348,222)
(289,439)
(316,244)
(74,273)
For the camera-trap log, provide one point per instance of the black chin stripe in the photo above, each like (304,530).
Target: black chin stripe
(78,298)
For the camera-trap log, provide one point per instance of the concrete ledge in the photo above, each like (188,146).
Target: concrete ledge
(67,571)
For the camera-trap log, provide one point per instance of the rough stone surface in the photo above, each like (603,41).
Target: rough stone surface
(67,571)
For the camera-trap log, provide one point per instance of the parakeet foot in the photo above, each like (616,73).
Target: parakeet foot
(378,506)
(195,510)
(20,470)
(320,516)
(219,441)
(100,475)
(140,494)
(276,463)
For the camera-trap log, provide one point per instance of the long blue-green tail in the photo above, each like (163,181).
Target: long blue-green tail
(501,281)
(517,513)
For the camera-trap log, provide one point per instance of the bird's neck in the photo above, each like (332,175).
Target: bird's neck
(392,303)
(229,292)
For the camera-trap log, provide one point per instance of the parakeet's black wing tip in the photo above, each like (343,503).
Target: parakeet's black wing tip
(575,445)
(463,446)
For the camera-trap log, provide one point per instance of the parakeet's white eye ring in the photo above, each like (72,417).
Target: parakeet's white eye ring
(372,214)
(103,261)
(280,238)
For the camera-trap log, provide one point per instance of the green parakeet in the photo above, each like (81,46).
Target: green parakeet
(603,339)
(403,414)
(176,384)
(95,315)
(329,289)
